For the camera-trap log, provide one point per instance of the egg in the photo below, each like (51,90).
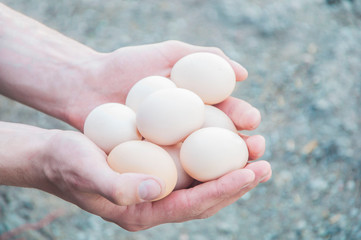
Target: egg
(183,180)
(169,115)
(206,74)
(215,117)
(111,124)
(144,88)
(212,152)
(146,158)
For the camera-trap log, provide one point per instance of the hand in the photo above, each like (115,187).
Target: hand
(113,75)
(110,76)
(67,80)
(81,175)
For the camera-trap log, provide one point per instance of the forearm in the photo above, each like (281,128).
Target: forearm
(21,151)
(39,66)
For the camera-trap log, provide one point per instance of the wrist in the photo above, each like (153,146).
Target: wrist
(22,149)
(39,66)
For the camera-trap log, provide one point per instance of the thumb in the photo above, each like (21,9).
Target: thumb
(129,188)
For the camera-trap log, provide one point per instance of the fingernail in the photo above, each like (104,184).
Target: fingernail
(149,189)
(243,70)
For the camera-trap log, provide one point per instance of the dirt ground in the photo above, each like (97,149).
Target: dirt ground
(304,63)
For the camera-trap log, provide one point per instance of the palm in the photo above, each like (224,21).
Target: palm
(111,79)
(201,201)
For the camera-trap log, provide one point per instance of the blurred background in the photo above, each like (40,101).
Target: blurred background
(304,63)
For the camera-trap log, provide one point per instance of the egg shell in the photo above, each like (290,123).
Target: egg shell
(183,180)
(215,117)
(169,115)
(111,124)
(206,74)
(144,88)
(146,158)
(212,152)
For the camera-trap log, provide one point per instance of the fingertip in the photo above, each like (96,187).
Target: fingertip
(240,71)
(251,119)
(248,175)
(242,176)
(266,178)
(260,168)
(256,146)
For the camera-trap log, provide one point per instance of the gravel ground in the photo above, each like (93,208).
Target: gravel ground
(304,63)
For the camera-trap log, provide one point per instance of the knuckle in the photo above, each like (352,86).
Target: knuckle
(220,191)
(117,196)
(217,50)
(206,214)
(131,227)
(194,208)
(174,43)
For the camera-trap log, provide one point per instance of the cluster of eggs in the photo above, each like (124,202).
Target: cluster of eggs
(168,127)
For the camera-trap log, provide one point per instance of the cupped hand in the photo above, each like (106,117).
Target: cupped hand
(81,175)
(94,187)
(108,77)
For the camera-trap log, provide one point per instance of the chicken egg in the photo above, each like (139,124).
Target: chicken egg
(183,180)
(208,75)
(169,115)
(212,152)
(146,158)
(111,124)
(144,88)
(215,117)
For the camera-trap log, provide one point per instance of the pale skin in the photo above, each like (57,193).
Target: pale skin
(66,79)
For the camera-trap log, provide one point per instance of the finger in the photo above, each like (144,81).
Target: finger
(226,202)
(256,145)
(121,189)
(262,171)
(188,204)
(243,115)
(181,49)
(266,178)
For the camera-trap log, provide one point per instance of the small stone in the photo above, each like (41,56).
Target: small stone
(335,218)
(325,214)
(183,236)
(290,145)
(310,147)
(312,48)
(319,184)
(301,225)
(350,185)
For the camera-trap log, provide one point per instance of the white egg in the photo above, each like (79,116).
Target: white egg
(169,115)
(215,117)
(147,158)
(144,88)
(210,153)
(183,180)
(111,124)
(206,74)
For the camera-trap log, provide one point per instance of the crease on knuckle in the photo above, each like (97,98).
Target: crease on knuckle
(195,208)
(220,191)
(206,214)
(217,51)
